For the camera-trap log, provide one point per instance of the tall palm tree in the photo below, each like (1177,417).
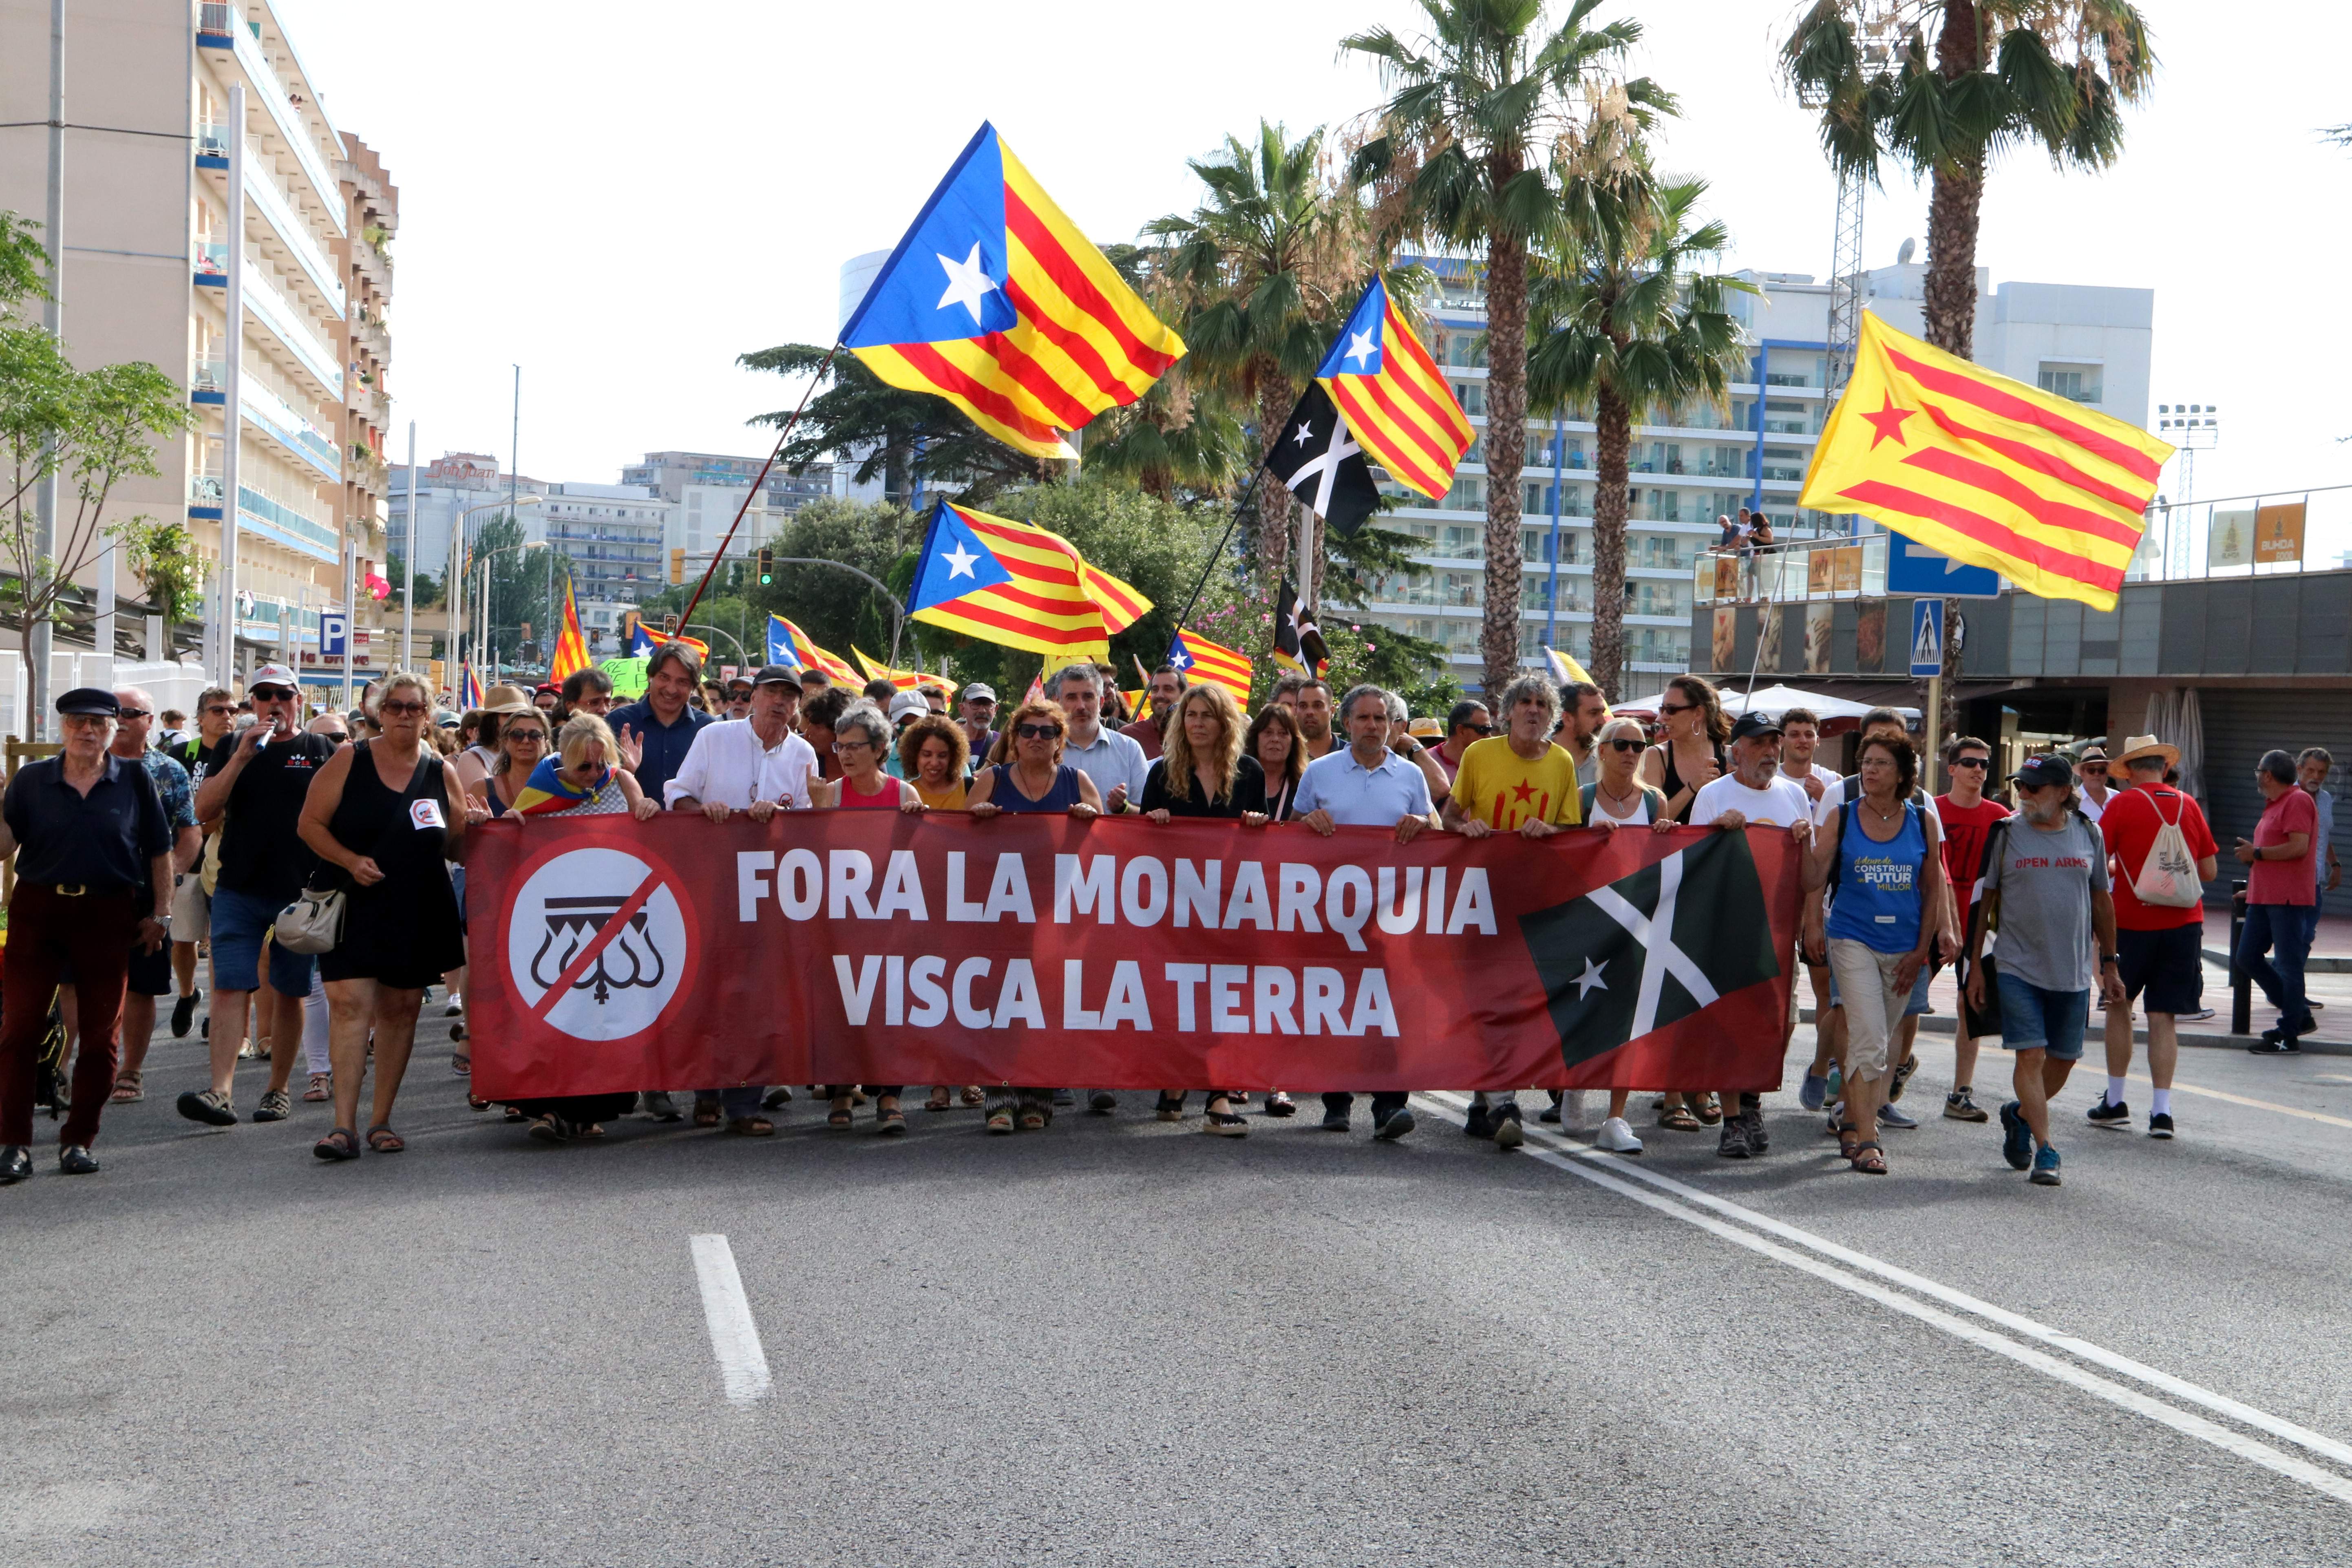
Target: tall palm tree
(1486,120)
(1630,322)
(1262,271)
(1998,73)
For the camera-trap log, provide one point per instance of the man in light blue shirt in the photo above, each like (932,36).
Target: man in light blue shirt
(1114,761)
(1367,785)
(2310,770)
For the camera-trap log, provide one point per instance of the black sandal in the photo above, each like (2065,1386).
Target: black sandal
(383,1140)
(893,1121)
(1870,1159)
(1847,1147)
(341,1143)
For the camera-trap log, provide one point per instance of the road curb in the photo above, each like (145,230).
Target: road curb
(1945,1024)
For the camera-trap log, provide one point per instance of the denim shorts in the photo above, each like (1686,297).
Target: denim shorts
(240,921)
(2033,1020)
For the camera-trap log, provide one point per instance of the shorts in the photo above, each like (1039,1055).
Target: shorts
(2168,965)
(191,908)
(2033,1020)
(240,922)
(151,972)
(1916,1008)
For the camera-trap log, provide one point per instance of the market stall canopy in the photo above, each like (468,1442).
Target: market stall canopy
(1830,710)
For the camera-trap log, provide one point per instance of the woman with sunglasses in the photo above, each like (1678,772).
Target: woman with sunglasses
(385,812)
(522,741)
(1691,754)
(1031,778)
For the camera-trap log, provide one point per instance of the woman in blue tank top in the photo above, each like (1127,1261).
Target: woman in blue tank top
(1880,861)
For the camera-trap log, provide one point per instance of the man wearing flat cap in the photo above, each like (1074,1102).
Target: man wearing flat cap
(93,877)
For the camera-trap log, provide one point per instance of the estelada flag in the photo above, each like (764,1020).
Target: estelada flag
(904,679)
(571,646)
(1296,643)
(787,644)
(1201,659)
(1018,585)
(545,790)
(644,639)
(1397,405)
(1991,471)
(995,302)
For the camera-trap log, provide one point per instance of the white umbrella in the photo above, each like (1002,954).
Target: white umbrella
(1775,699)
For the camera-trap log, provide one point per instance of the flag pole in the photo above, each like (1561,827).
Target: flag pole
(781,436)
(1241,504)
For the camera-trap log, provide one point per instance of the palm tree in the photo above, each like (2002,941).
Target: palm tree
(1998,73)
(1482,144)
(1262,273)
(1629,323)
(1175,437)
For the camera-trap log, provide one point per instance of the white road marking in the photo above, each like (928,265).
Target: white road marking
(2181,1088)
(1581,1159)
(734,1337)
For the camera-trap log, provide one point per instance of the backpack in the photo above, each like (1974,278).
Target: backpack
(2168,878)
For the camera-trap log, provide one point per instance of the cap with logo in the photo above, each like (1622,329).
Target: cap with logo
(777,674)
(1748,724)
(2042,773)
(274,675)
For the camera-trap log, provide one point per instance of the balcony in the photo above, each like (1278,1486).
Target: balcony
(225,28)
(273,520)
(212,263)
(373,259)
(274,418)
(208,379)
(306,353)
(207,490)
(282,225)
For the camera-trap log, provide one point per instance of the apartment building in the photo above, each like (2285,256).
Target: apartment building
(708,490)
(455,486)
(613,536)
(151,222)
(1696,463)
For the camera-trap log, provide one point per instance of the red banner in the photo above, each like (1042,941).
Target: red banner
(851,946)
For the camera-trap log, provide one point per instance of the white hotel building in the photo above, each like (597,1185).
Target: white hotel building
(2091,344)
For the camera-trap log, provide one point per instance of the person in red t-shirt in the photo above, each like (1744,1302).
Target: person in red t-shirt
(2279,887)
(2158,947)
(1968,819)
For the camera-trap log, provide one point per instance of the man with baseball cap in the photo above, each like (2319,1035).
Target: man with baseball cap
(93,878)
(2158,947)
(905,709)
(253,787)
(979,718)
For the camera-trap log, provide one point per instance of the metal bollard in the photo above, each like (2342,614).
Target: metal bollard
(2241,984)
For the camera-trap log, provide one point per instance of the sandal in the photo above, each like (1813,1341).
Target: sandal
(461,1063)
(1277,1103)
(383,1140)
(971,1095)
(127,1088)
(1710,1111)
(940,1098)
(549,1129)
(1870,1159)
(893,1121)
(1848,1146)
(1171,1106)
(705,1114)
(322,1086)
(1000,1121)
(1224,1124)
(1678,1119)
(839,1116)
(752,1127)
(1032,1119)
(776,1099)
(340,1145)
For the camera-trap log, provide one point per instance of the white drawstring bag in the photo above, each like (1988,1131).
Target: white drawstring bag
(2167,879)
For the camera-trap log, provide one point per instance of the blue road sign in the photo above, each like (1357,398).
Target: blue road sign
(334,631)
(1927,636)
(1913,568)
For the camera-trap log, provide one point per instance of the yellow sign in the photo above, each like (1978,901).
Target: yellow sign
(433,676)
(1818,570)
(1845,569)
(2278,533)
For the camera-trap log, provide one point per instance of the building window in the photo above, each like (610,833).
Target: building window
(2079,383)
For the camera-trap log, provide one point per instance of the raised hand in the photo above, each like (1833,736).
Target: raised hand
(633,750)
(822,793)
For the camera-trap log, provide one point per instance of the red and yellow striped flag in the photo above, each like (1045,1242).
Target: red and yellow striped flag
(997,302)
(1050,599)
(1201,660)
(1397,405)
(904,679)
(571,646)
(1991,471)
(787,644)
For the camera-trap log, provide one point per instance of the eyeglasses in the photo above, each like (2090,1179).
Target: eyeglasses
(400,710)
(271,694)
(1977,763)
(841,748)
(1625,745)
(1676,707)
(136,714)
(1478,729)
(1037,731)
(220,708)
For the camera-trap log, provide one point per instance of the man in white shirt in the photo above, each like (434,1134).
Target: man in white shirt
(2091,773)
(1753,794)
(1114,761)
(1800,738)
(736,764)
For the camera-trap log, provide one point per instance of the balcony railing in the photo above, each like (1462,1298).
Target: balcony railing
(212,260)
(277,209)
(205,490)
(212,135)
(208,373)
(280,316)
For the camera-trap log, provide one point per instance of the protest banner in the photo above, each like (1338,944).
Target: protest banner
(852,946)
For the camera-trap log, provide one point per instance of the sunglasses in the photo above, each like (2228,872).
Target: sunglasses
(271,694)
(1479,729)
(1676,707)
(536,737)
(2094,769)
(1622,744)
(1976,763)
(1037,731)
(136,714)
(980,701)
(400,710)
(220,708)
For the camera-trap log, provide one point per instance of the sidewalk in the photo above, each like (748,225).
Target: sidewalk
(2331,950)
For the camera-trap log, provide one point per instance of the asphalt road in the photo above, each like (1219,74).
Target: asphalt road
(1119,1342)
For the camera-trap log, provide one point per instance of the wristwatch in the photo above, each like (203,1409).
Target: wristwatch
(2105,958)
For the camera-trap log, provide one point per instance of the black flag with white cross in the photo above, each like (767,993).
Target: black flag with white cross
(1321,463)
(1652,949)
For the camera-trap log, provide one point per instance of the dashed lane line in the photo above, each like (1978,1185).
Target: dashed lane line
(734,1336)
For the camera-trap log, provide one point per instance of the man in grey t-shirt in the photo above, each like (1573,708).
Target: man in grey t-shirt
(2048,867)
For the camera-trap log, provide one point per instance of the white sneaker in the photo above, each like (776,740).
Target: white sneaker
(1617,1137)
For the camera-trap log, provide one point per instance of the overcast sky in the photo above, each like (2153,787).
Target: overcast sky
(623,198)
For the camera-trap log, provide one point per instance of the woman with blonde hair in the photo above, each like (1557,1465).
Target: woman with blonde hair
(580,779)
(1203,771)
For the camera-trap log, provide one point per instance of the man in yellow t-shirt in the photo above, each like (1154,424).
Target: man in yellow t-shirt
(1516,782)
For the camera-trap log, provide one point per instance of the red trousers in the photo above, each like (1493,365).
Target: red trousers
(48,931)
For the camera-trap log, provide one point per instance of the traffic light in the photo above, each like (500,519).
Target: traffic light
(767,566)
(670,626)
(677,566)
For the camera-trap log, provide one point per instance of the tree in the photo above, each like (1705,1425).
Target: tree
(395,571)
(2001,73)
(1262,273)
(88,430)
(1630,322)
(518,585)
(1480,145)
(907,437)
(162,556)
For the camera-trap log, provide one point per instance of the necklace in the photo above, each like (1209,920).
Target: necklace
(1881,815)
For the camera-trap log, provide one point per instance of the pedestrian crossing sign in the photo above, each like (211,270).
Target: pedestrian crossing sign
(1926,636)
